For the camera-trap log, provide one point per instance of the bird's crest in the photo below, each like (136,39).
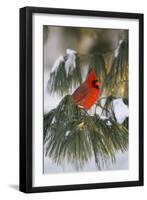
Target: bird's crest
(91,76)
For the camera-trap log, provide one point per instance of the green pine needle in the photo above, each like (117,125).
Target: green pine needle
(71,134)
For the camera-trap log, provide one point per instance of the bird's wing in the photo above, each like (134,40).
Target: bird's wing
(80,93)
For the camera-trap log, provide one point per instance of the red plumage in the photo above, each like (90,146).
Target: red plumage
(88,93)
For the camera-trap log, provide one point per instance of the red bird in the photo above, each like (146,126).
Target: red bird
(88,93)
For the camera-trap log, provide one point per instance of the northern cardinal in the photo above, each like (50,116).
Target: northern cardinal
(88,93)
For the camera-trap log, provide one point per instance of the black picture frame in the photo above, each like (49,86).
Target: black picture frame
(26,90)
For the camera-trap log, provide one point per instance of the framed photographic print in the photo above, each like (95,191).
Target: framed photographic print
(81,99)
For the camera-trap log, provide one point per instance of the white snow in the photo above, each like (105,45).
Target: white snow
(117,49)
(57,64)
(109,123)
(70,51)
(53,120)
(121,110)
(70,63)
(104,117)
(67,133)
(99,109)
(122,163)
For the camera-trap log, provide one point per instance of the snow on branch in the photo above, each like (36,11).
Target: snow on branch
(70,63)
(121,110)
(57,63)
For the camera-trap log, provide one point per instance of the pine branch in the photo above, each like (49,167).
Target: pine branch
(114,81)
(73,135)
(61,83)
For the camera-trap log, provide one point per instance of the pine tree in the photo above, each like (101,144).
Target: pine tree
(71,133)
